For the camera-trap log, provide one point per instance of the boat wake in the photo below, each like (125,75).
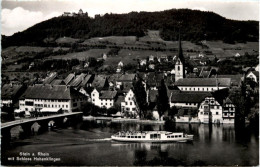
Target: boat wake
(95,140)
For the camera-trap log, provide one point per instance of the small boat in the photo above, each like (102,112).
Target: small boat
(152,136)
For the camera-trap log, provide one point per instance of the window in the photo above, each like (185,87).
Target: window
(201,113)
(106,103)
(129,98)
(110,104)
(203,89)
(193,88)
(216,113)
(231,114)
(217,107)
(211,101)
(125,103)
(130,103)
(101,104)
(190,88)
(66,106)
(178,68)
(212,107)
(185,88)
(168,136)
(198,88)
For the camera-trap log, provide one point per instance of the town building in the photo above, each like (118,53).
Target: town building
(10,94)
(105,99)
(59,97)
(203,84)
(228,111)
(253,75)
(129,105)
(186,99)
(179,64)
(210,110)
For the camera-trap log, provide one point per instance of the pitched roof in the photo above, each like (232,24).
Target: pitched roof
(78,80)
(225,82)
(99,81)
(49,79)
(235,79)
(188,97)
(127,77)
(9,91)
(107,94)
(56,82)
(69,78)
(87,79)
(55,92)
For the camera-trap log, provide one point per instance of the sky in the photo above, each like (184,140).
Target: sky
(18,15)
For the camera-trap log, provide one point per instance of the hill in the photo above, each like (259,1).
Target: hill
(194,25)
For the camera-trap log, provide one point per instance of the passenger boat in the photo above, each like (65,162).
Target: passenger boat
(152,136)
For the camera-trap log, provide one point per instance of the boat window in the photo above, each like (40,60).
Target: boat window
(176,135)
(132,136)
(179,135)
(143,136)
(128,136)
(168,136)
(139,136)
(135,136)
(172,136)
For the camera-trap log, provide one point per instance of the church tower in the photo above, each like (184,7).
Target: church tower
(179,65)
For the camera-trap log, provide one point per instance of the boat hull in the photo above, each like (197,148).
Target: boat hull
(150,140)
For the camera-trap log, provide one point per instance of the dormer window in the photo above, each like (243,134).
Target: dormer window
(178,68)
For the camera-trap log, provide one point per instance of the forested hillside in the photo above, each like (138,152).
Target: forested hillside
(195,25)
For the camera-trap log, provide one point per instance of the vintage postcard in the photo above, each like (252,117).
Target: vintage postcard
(129,83)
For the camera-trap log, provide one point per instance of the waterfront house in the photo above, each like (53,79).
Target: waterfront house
(228,111)
(104,99)
(38,97)
(186,99)
(129,105)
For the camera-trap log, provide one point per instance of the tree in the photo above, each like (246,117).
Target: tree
(162,100)
(140,95)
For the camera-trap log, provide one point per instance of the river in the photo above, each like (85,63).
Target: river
(88,143)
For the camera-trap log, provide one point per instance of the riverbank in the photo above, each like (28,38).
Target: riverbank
(120,120)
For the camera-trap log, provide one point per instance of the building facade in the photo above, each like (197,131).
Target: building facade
(37,97)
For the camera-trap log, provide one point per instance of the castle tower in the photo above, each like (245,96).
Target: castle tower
(179,65)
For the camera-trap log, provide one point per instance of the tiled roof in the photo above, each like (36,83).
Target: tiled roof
(107,94)
(48,80)
(225,82)
(55,92)
(188,97)
(127,77)
(114,77)
(235,79)
(78,80)
(99,81)
(86,80)
(9,91)
(56,82)
(69,78)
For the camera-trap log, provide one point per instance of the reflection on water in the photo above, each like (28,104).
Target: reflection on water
(88,143)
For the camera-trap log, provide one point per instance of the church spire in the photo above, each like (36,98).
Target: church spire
(180,54)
